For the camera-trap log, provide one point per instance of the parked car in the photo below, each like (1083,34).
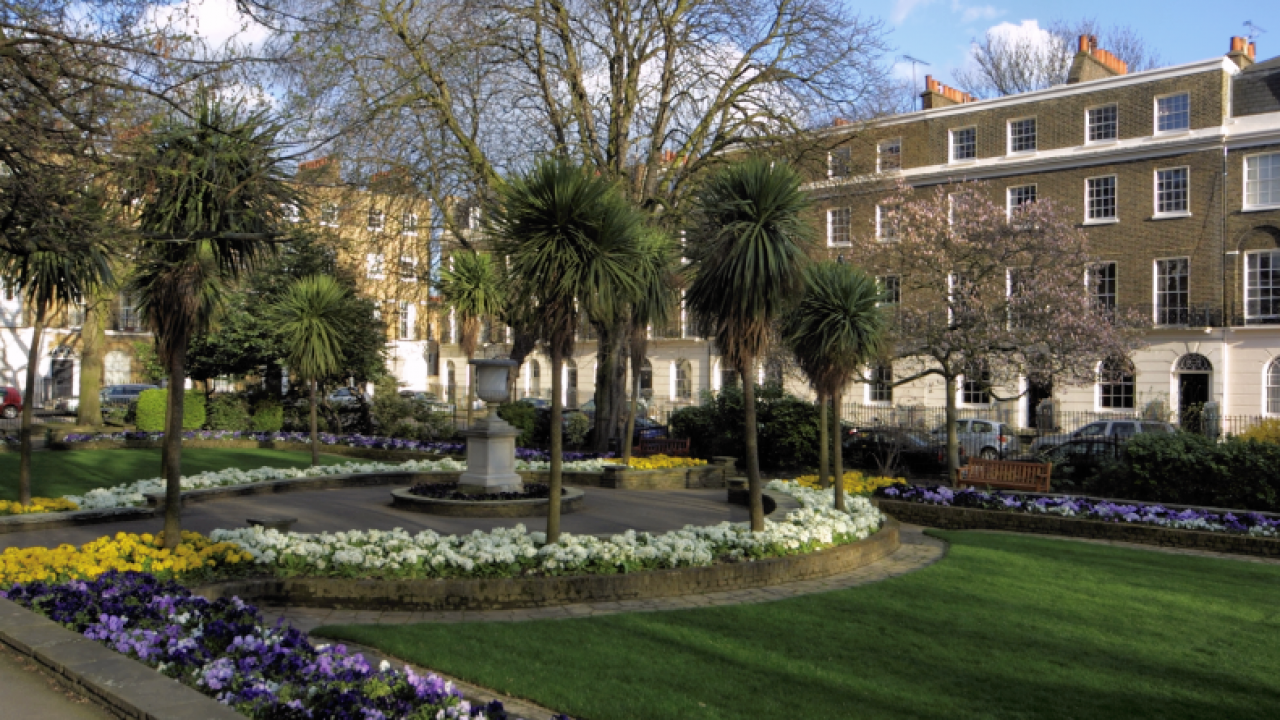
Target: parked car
(347,396)
(987,439)
(10,402)
(122,394)
(1118,429)
(428,400)
(536,402)
(1075,460)
(917,453)
(648,429)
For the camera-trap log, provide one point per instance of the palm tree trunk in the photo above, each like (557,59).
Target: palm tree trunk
(557,446)
(824,480)
(173,448)
(837,462)
(953,443)
(93,341)
(315,429)
(755,487)
(471,391)
(610,381)
(28,408)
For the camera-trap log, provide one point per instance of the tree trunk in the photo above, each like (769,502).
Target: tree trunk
(28,409)
(315,429)
(93,341)
(837,460)
(557,446)
(953,443)
(749,432)
(630,434)
(523,344)
(471,391)
(172,455)
(611,381)
(824,480)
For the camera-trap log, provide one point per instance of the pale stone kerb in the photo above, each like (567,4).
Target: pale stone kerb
(74,518)
(514,593)
(122,686)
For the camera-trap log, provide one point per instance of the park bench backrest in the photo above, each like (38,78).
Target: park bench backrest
(1007,474)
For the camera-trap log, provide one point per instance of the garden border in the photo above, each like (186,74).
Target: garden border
(119,684)
(514,593)
(958,518)
(71,518)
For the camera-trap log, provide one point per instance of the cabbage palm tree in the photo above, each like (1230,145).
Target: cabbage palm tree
(834,330)
(46,280)
(748,249)
(573,245)
(210,194)
(310,317)
(474,288)
(657,284)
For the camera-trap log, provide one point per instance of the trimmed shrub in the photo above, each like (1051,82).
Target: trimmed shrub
(228,412)
(577,425)
(1266,431)
(521,415)
(788,432)
(388,407)
(268,416)
(149,416)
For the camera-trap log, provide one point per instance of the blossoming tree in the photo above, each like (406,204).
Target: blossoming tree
(990,295)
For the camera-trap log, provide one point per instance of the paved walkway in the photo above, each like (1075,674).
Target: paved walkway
(30,694)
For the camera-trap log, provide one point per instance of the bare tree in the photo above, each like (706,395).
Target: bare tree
(1004,63)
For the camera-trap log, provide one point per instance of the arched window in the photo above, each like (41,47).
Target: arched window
(1273,387)
(1194,362)
(684,380)
(117,368)
(1115,384)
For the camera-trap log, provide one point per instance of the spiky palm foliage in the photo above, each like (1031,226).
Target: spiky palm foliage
(572,243)
(658,285)
(310,317)
(474,288)
(48,279)
(210,195)
(748,249)
(834,330)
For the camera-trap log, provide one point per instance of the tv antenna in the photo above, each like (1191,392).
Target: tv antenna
(1254,30)
(914,61)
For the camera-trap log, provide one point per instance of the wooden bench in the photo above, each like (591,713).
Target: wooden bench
(1006,474)
(674,447)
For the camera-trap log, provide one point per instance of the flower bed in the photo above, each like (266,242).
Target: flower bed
(449,491)
(855,483)
(225,649)
(664,462)
(38,505)
(133,494)
(195,556)
(514,552)
(1246,523)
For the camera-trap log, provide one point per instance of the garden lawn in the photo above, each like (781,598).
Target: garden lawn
(1004,627)
(55,473)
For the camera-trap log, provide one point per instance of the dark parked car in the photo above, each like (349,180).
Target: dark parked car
(122,394)
(1074,461)
(913,452)
(1116,429)
(10,402)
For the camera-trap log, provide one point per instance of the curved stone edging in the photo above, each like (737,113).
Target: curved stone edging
(71,518)
(953,518)
(571,501)
(362,453)
(511,593)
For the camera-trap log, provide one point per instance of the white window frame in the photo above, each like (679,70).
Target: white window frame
(1097,389)
(1008,133)
(831,242)
(327,209)
(1091,284)
(1155,193)
(880,146)
(409,224)
(833,160)
(874,375)
(1155,113)
(375,266)
(1275,269)
(881,235)
(1155,290)
(1008,198)
(960,390)
(1246,206)
(407,321)
(377,221)
(1269,387)
(413,262)
(1115,201)
(1088,124)
(883,285)
(951,145)
(291,212)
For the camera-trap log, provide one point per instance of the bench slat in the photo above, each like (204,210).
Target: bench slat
(1008,474)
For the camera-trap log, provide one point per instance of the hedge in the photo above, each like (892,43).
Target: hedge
(150,414)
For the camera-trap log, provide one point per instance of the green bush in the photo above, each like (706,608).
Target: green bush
(434,425)
(228,412)
(388,407)
(1189,469)
(521,415)
(268,416)
(149,415)
(787,435)
(577,425)
(1266,431)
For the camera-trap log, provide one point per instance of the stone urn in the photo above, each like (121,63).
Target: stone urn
(491,444)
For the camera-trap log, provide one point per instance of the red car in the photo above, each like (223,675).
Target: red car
(10,402)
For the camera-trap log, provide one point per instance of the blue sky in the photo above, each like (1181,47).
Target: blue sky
(939,31)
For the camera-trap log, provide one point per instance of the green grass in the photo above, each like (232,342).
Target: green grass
(1004,627)
(58,473)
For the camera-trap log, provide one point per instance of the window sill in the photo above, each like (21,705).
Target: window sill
(965,161)
(1259,208)
(840,245)
(1102,221)
(1021,153)
(1171,216)
(1171,133)
(1101,143)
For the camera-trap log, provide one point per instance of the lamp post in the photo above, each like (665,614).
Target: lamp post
(491,444)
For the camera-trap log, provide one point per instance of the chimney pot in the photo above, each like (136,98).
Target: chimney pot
(1253,51)
(1237,44)
(1082,43)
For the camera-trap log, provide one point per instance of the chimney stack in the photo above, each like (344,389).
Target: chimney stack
(1093,63)
(937,95)
(1243,53)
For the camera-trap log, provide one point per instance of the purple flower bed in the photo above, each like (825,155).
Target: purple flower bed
(361,441)
(1247,523)
(225,650)
(449,491)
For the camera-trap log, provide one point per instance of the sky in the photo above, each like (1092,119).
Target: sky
(940,31)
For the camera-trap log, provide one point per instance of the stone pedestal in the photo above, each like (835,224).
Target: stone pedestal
(491,458)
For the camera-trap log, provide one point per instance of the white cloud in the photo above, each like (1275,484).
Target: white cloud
(903,8)
(970,13)
(1027,32)
(217,22)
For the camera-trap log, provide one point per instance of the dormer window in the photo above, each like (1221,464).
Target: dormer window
(1173,113)
(1022,135)
(838,162)
(889,155)
(1101,123)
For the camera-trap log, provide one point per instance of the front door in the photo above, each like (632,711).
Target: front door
(62,371)
(1193,393)
(1037,392)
